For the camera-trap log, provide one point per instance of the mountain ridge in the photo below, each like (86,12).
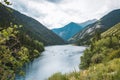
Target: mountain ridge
(31,27)
(71,29)
(106,22)
(88,22)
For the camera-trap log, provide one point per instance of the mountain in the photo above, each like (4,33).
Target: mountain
(106,22)
(86,23)
(71,29)
(31,27)
(68,30)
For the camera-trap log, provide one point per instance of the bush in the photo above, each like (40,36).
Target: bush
(97,58)
(58,76)
(114,54)
(86,59)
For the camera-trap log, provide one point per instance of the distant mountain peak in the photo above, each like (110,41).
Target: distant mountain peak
(72,23)
(68,30)
(72,28)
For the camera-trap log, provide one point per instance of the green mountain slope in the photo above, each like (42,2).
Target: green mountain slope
(112,31)
(30,27)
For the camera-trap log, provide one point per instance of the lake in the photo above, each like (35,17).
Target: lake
(59,58)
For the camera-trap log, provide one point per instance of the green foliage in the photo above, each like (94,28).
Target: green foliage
(36,53)
(97,58)
(35,47)
(86,59)
(58,76)
(102,49)
(14,53)
(114,54)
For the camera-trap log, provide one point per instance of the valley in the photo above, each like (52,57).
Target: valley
(30,50)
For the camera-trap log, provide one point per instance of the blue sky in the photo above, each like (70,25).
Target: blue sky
(57,13)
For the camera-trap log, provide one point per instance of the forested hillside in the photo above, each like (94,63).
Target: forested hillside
(31,27)
(14,53)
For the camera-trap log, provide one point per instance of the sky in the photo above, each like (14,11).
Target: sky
(58,13)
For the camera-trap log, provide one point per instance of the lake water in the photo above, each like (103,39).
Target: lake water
(59,58)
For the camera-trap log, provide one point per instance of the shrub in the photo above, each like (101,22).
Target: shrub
(97,58)
(114,54)
(58,76)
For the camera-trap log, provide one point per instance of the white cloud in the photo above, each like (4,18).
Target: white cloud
(57,13)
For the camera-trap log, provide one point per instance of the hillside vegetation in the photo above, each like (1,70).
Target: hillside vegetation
(100,61)
(14,53)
